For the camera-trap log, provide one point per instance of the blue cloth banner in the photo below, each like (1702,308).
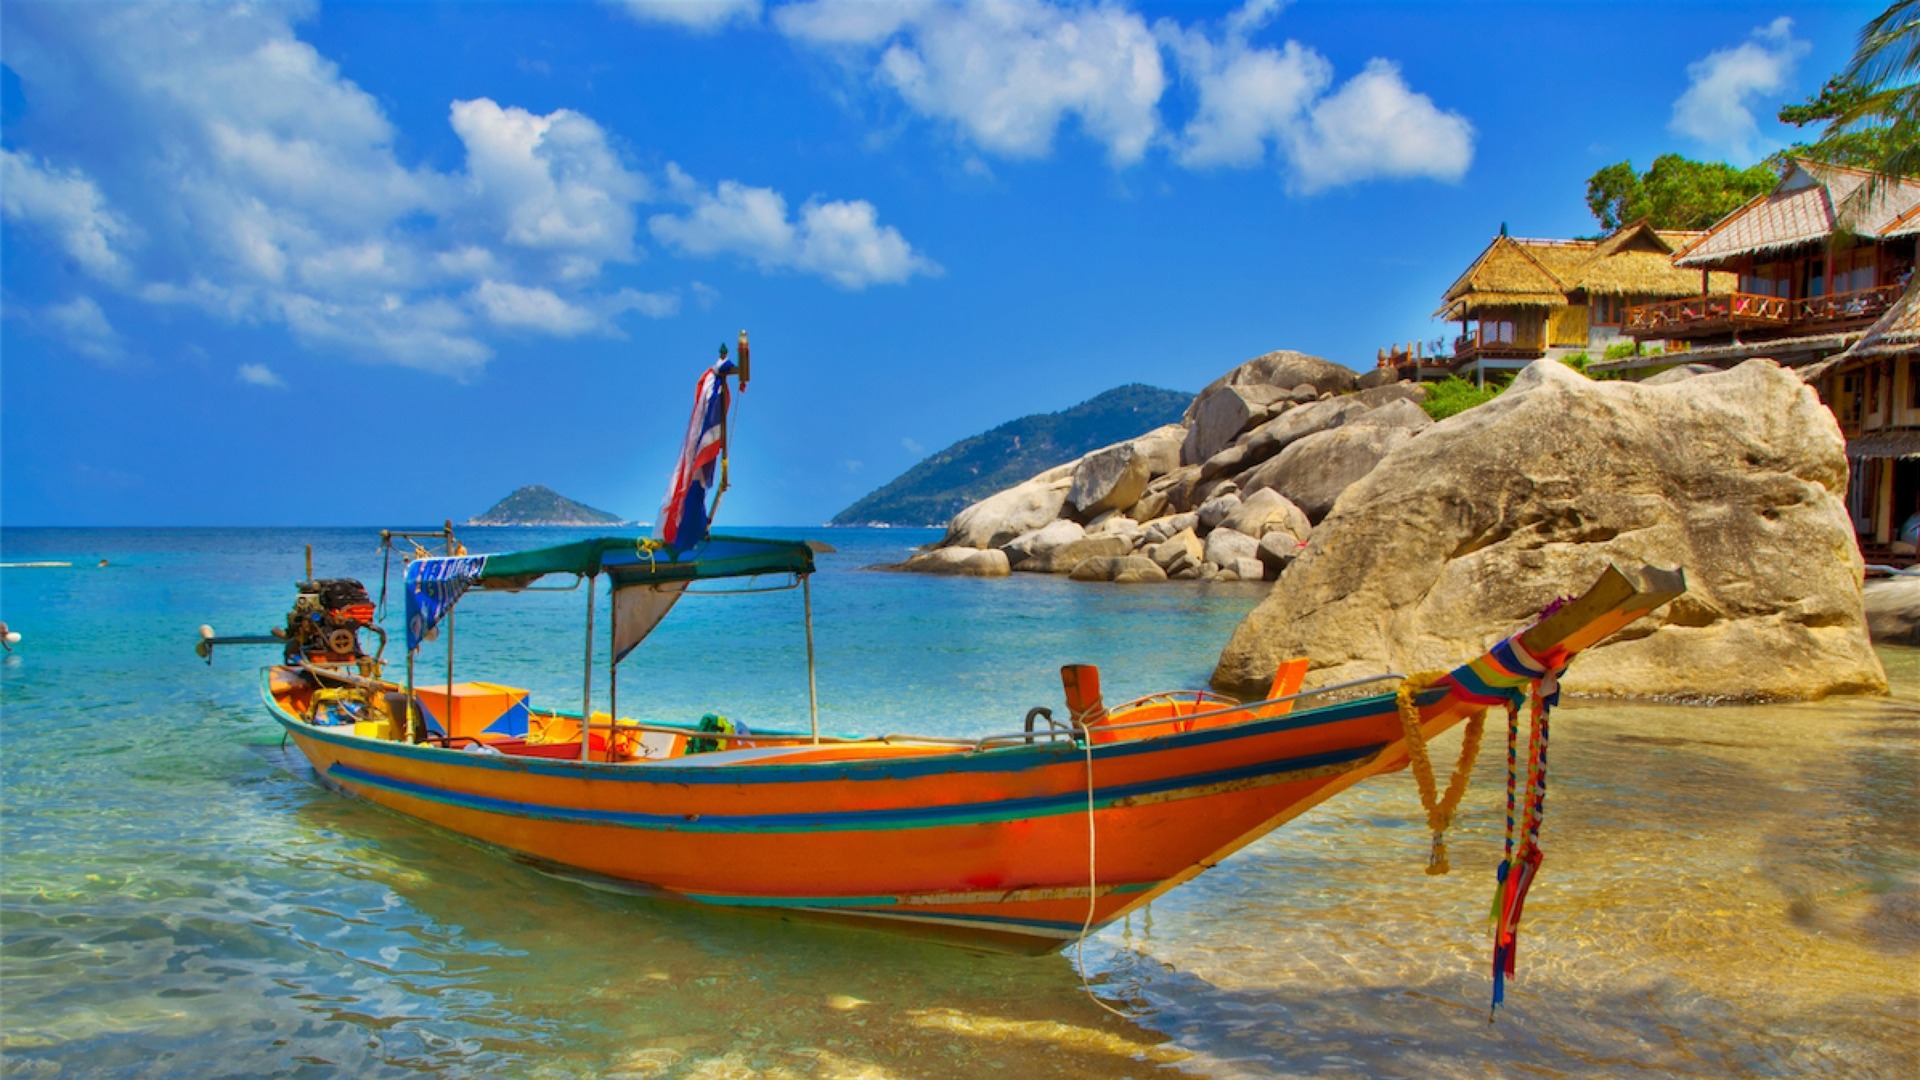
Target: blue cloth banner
(433,586)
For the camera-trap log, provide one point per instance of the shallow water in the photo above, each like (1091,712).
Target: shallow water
(1729,892)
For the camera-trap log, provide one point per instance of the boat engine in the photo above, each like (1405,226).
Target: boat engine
(327,617)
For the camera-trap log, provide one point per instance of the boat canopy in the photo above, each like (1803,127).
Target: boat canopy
(630,562)
(436,583)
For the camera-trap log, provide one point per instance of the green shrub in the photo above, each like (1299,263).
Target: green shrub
(1578,362)
(1456,395)
(1620,350)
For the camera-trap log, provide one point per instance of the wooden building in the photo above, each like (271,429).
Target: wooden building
(1521,300)
(1873,388)
(1818,259)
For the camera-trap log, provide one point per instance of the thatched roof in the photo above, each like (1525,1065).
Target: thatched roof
(1805,208)
(1898,331)
(1637,260)
(1509,273)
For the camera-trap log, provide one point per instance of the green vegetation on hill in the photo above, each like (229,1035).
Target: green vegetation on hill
(537,505)
(974,468)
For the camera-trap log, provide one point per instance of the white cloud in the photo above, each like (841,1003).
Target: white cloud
(842,241)
(85,328)
(1257,104)
(552,183)
(69,206)
(1375,126)
(704,294)
(524,308)
(1006,73)
(913,447)
(260,375)
(1716,109)
(654,305)
(700,16)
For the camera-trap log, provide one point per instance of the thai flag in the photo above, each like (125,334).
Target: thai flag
(686,515)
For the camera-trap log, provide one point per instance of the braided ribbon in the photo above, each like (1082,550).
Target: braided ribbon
(1520,863)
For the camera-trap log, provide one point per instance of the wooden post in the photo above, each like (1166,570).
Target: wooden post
(586,680)
(813,691)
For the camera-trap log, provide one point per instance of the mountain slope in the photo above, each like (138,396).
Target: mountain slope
(537,505)
(973,468)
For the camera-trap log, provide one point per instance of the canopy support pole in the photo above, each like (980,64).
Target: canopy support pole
(449,719)
(586,679)
(613,672)
(412,723)
(813,692)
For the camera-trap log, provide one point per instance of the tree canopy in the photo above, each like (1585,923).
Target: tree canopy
(1675,193)
(1872,109)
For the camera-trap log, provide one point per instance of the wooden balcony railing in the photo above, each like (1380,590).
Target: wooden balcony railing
(1478,345)
(1706,314)
(1860,305)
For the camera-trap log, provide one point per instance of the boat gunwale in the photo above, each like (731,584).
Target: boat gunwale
(995,758)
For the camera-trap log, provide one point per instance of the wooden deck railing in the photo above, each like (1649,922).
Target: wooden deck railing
(1855,306)
(1495,347)
(1700,314)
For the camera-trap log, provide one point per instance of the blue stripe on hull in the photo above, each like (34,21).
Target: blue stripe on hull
(1002,810)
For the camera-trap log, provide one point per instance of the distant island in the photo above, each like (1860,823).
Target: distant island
(944,484)
(537,505)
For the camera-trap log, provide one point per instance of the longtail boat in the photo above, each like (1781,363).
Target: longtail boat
(1022,841)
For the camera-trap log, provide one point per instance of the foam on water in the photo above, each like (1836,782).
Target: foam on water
(1729,892)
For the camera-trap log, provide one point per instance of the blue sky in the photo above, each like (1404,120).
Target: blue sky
(383,263)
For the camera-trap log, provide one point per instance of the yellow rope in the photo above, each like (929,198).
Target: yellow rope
(1439,808)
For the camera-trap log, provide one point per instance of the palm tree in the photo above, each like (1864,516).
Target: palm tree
(1886,69)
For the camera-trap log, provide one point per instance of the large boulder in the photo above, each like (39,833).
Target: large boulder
(1286,369)
(1219,415)
(1022,508)
(1160,448)
(963,561)
(1182,547)
(1295,424)
(1224,547)
(1109,479)
(1046,538)
(1463,535)
(1119,569)
(1264,511)
(1313,472)
(1062,559)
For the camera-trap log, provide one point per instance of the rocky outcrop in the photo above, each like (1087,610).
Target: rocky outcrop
(1467,530)
(1245,459)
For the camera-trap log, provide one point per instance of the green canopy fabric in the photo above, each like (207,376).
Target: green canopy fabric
(630,562)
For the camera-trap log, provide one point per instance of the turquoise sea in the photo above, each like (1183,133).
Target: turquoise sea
(1731,891)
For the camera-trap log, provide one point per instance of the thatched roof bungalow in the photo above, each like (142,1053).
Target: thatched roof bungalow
(1524,299)
(1873,388)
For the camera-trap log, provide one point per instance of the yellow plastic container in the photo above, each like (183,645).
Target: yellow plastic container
(374,729)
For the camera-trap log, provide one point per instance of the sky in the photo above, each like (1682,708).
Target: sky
(381,264)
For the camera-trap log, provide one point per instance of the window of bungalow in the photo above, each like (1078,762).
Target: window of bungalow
(1602,311)
(1817,277)
(1853,271)
(1912,374)
(1768,279)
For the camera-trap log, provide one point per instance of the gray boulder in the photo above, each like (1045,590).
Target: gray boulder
(1160,448)
(1062,559)
(1464,534)
(1249,569)
(1216,510)
(1287,369)
(1315,470)
(966,562)
(1224,546)
(1278,549)
(1183,545)
(1109,479)
(1160,529)
(1119,569)
(1022,508)
(1218,416)
(1295,424)
(1052,535)
(1267,510)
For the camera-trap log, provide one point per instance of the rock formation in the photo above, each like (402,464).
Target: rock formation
(1465,532)
(1228,494)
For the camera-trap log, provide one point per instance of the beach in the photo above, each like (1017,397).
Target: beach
(1728,891)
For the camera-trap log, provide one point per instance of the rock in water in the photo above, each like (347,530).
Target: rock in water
(1465,533)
